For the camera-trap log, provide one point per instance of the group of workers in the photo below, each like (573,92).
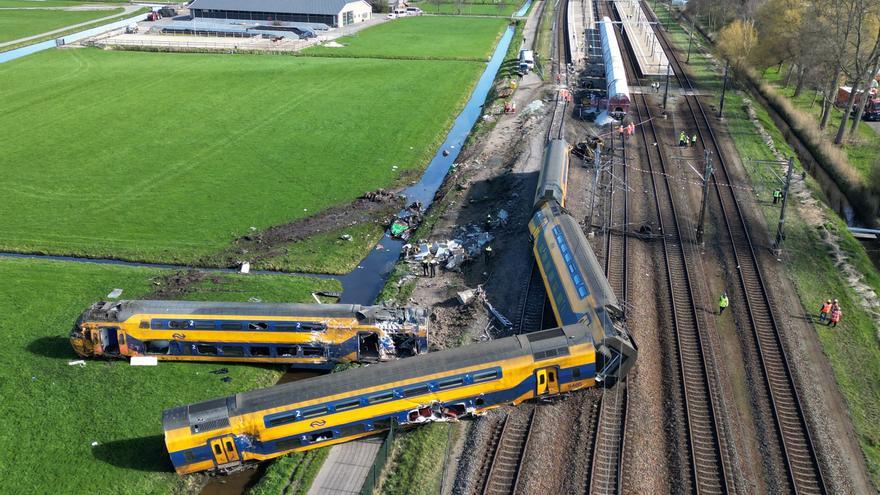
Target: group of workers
(683,140)
(627,130)
(830,312)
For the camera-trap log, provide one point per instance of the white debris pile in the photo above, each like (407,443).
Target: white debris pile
(467,243)
(533,107)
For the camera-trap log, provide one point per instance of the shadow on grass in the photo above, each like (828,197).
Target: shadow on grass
(141,454)
(56,347)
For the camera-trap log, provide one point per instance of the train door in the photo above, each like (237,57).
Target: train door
(224,450)
(109,340)
(547,381)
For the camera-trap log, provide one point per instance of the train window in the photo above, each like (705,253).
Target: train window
(582,292)
(188,456)
(218,449)
(157,346)
(576,373)
(230,326)
(345,406)
(206,350)
(314,412)
(257,325)
(485,376)
(286,327)
(281,420)
(321,436)
(144,324)
(177,324)
(286,351)
(451,383)
(204,325)
(259,351)
(312,351)
(480,402)
(233,350)
(383,397)
(287,444)
(414,391)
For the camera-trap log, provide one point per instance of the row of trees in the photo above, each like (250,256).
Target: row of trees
(823,42)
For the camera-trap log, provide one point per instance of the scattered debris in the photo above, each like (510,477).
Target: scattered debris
(144,361)
(315,297)
(78,362)
(219,371)
(466,296)
(345,237)
(114,294)
(533,107)
(226,379)
(95,443)
(379,196)
(246,267)
(467,244)
(255,300)
(333,44)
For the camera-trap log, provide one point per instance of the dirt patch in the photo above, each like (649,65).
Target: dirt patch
(376,206)
(178,284)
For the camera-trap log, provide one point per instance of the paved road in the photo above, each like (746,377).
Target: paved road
(875,126)
(128,10)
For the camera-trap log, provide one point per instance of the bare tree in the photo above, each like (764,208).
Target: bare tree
(863,47)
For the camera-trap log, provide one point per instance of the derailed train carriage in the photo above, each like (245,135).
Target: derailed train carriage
(305,335)
(590,346)
(618,99)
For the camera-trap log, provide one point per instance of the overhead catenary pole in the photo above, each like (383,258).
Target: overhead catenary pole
(666,91)
(780,234)
(706,174)
(723,89)
(690,41)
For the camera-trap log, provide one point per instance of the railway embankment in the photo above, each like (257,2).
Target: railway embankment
(824,261)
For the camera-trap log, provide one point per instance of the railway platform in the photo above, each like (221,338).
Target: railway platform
(576,31)
(649,53)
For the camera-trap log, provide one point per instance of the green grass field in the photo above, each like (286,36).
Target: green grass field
(423,37)
(502,8)
(51,413)
(52,3)
(15,24)
(102,159)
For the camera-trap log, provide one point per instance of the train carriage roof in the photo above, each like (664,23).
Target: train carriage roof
(127,309)
(615,74)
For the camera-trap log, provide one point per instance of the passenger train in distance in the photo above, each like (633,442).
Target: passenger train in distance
(304,335)
(615,75)
(589,346)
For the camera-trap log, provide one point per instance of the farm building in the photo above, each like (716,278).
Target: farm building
(334,13)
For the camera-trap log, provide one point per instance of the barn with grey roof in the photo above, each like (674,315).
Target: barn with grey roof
(333,13)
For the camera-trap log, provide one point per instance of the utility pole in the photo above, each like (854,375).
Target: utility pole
(666,91)
(780,235)
(723,89)
(690,40)
(706,175)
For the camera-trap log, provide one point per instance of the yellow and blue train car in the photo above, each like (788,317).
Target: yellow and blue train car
(305,335)
(226,434)
(553,178)
(577,288)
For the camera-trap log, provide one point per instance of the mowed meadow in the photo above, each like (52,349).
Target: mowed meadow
(170,157)
(98,428)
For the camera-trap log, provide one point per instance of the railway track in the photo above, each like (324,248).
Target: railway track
(794,441)
(561,58)
(606,469)
(533,302)
(508,442)
(707,470)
